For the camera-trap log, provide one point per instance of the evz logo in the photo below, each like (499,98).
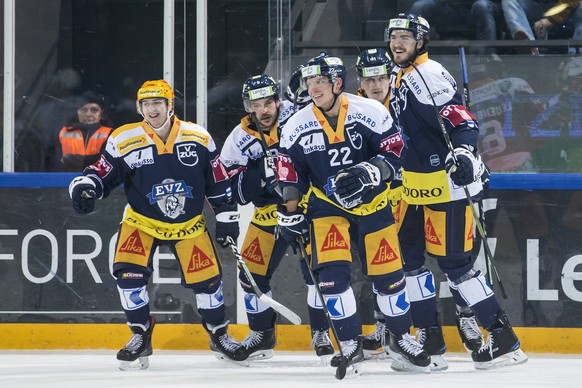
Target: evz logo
(355,137)
(170,195)
(187,154)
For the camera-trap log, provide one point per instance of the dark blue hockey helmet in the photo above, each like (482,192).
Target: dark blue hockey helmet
(295,93)
(373,62)
(407,21)
(257,87)
(325,66)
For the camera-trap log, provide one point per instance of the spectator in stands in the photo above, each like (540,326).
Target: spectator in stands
(478,19)
(83,139)
(543,14)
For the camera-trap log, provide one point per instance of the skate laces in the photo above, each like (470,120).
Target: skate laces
(320,338)
(469,328)
(379,333)
(349,347)
(409,344)
(134,342)
(487,346)
(254,338)
(228,343)
(421,336)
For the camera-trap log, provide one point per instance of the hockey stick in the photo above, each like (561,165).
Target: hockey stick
(467,101)
(341,370)
(278,307)
(269,154)
(467,194)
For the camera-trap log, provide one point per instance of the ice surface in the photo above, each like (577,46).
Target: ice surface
(286,369)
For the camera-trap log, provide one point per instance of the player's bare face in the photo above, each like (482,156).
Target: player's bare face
(321,92)
(266,110)
(155,111)
(403,47)
(376,87)
(89,113)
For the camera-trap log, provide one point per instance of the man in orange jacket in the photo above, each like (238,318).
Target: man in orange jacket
(83,138)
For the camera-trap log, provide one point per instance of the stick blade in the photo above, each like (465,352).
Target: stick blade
(284,311)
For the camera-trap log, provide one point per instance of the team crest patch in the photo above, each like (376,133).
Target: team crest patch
(355,138)
(171,197)
(198,261)
(187,154)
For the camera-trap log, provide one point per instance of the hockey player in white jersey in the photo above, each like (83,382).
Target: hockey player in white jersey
(169,168)
(441,169)
(338,153)
(249,154)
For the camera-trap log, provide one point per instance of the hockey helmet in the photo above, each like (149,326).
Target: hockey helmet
(257,87)
(295,93)
(156,89)
(406,21)
(373,62)
(325,66)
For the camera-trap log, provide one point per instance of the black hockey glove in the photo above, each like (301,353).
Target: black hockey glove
(353,183)
(227,225)
(463,173)
(292,226)
(83,192)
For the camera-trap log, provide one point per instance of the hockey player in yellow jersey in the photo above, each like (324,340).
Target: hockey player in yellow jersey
(169,168)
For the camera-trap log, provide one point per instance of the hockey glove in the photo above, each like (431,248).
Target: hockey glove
(82,191)
(227,225)
(353,183)
(292,226)
(463,173)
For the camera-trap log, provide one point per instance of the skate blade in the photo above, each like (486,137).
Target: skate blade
(508,359)
(324,360)
(401,364)
(261,355)
(222,357)
(141,364)
(378,354)
(438,363)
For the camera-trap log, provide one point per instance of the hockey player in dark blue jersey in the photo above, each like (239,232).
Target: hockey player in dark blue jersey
(373,67)
(338,153)
(168,168)
(434,211)
(249,155)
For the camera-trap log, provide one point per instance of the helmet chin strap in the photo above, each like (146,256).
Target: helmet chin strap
(335,96)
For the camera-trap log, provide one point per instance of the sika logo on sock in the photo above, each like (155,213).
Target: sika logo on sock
(385,254)
(133,244)
(199,261)
(334,240)
(253,253)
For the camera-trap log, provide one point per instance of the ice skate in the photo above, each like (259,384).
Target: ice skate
(323,347)
(139,347)
(353,356)
(432,342)
(469,331)
(501,349)
(259,345)
(373,344)
(224,347)
(407,354)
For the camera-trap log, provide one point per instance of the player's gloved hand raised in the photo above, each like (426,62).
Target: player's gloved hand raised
(292,226)
(227,225)
(353,183)
(463,173)
(83,192)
